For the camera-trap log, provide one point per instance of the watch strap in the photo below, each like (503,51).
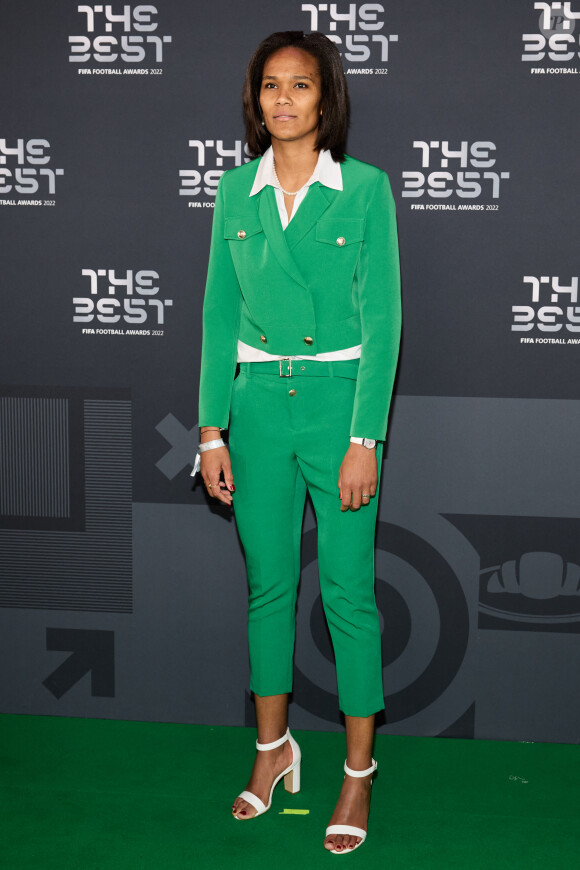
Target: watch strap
(369,443)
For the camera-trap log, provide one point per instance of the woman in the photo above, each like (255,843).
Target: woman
(303,293)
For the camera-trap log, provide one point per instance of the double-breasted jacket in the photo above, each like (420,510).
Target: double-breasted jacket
(329,281)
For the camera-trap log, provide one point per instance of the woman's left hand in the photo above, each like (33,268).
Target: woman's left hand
(357,477)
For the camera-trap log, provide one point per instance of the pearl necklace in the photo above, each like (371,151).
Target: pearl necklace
(285,192)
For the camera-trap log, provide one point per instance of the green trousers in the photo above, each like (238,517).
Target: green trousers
(289,436)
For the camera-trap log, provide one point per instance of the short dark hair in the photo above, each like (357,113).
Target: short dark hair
(333,128)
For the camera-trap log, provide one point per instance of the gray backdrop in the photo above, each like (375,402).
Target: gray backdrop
(122,592)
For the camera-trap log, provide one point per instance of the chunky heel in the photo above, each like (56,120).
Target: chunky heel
(292,780)
(291,775)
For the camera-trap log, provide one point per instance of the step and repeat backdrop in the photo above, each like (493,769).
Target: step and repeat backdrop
(122,591)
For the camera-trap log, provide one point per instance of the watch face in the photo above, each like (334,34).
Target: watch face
(369,442)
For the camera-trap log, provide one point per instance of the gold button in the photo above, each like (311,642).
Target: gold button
(242,235)
(292,393)
(263,339)
(340,241)
(308,340)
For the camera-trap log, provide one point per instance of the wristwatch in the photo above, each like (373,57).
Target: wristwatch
(369,443)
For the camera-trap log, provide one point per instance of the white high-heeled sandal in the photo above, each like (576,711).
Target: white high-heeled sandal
(291,776)
(350,830)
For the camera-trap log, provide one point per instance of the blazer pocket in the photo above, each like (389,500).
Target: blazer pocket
(238,229)
(340,232)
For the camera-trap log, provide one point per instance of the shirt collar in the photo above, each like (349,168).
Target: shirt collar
(326,171)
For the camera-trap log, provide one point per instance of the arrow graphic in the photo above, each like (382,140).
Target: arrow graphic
(92,651)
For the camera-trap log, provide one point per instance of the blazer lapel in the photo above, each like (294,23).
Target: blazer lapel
(270,220)
(310,210)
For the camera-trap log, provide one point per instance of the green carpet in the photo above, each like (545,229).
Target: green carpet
(78,794)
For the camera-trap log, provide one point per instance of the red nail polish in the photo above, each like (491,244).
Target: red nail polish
(232,488)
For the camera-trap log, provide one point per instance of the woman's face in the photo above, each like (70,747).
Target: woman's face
(290,95)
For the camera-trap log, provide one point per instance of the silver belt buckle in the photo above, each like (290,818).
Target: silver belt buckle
(289,361)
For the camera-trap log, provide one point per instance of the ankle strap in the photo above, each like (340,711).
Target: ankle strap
(360,773)
(264,747)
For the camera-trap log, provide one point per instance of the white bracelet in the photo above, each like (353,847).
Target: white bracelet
(211,445)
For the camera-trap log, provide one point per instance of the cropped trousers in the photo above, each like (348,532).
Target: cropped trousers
(289,435)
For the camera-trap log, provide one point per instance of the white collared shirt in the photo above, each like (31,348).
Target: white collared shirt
(326,171)
(329,174)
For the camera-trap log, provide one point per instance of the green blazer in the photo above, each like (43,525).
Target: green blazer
(329,281)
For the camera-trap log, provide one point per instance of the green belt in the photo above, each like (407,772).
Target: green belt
(303,368)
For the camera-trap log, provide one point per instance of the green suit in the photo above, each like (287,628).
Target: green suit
(330,281)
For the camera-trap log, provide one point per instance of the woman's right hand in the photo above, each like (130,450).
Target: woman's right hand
(213,463)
